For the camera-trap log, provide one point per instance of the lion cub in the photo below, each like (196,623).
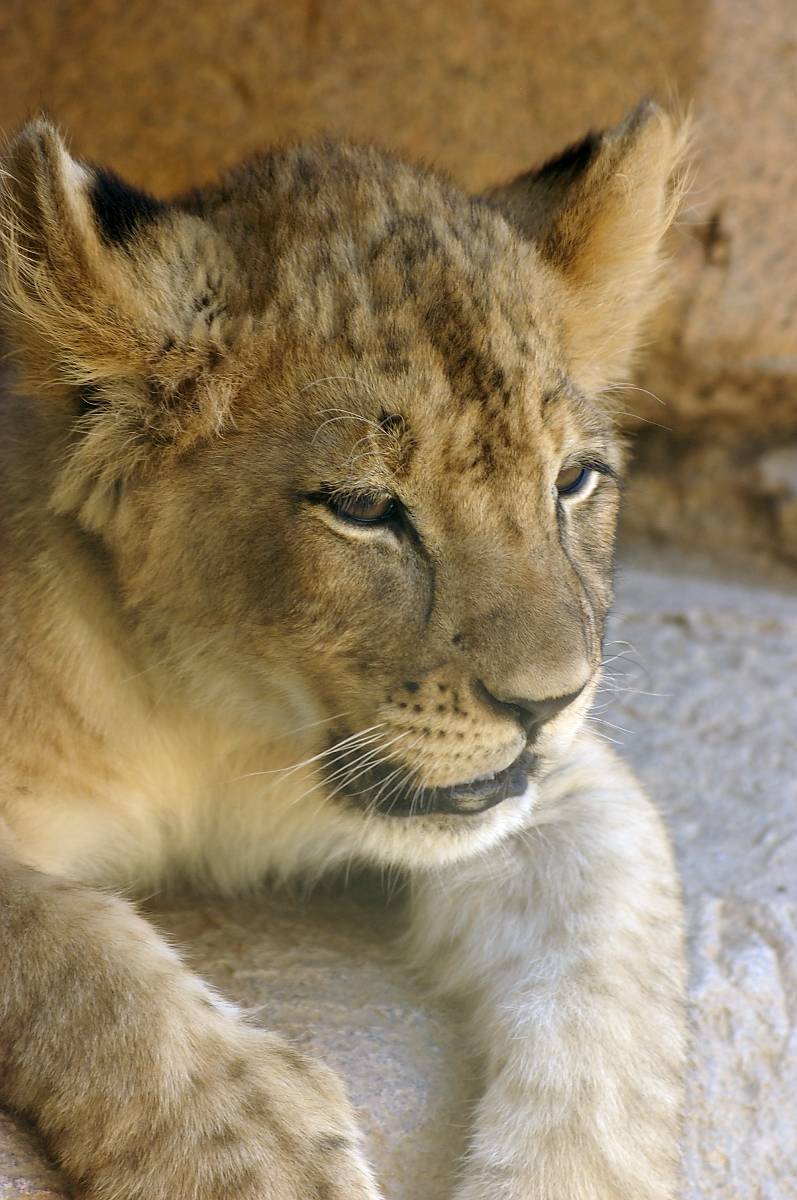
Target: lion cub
(308,501)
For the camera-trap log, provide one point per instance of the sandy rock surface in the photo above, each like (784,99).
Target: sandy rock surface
(716,746)
(711,711)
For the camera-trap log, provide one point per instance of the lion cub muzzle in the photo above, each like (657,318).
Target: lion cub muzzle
(443,752)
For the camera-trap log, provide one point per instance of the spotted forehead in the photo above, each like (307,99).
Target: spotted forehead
(416,420)
(490,384)
(416,302)
(446,327)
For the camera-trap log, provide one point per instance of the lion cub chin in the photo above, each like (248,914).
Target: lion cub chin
(309,490)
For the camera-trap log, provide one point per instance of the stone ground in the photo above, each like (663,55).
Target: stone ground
(708,668)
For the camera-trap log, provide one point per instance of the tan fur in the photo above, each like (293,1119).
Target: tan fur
(207,670)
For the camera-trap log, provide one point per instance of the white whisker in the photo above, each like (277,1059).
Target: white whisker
(285,771)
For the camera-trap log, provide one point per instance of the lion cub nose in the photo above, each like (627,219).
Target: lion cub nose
(533,714)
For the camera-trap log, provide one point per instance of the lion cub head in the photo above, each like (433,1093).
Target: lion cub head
(339,429)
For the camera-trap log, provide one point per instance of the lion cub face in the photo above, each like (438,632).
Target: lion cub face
(338,427)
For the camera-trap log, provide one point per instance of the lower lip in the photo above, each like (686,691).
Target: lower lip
(469,799)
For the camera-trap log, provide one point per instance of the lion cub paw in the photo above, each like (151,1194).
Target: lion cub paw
(259,1121)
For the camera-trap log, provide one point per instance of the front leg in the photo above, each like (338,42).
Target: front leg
(143,1083)
(566,947)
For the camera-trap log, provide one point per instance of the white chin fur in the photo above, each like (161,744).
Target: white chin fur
(434,840)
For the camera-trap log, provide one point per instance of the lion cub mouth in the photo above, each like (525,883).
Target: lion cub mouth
(388,789)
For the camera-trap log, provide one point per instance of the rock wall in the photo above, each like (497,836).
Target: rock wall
(168,93)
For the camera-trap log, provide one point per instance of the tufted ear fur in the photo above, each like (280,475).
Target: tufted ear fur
(598,214)
(115,298)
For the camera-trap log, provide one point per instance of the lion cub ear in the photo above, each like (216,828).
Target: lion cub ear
(598,214)
(107,289)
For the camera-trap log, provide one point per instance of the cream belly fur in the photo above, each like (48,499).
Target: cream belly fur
(309,489)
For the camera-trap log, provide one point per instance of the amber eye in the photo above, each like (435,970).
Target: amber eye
(572,480)
(366,509)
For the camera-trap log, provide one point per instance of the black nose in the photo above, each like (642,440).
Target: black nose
(533,714)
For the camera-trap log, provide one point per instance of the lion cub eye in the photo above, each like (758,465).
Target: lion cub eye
(572,480)
(368,509)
